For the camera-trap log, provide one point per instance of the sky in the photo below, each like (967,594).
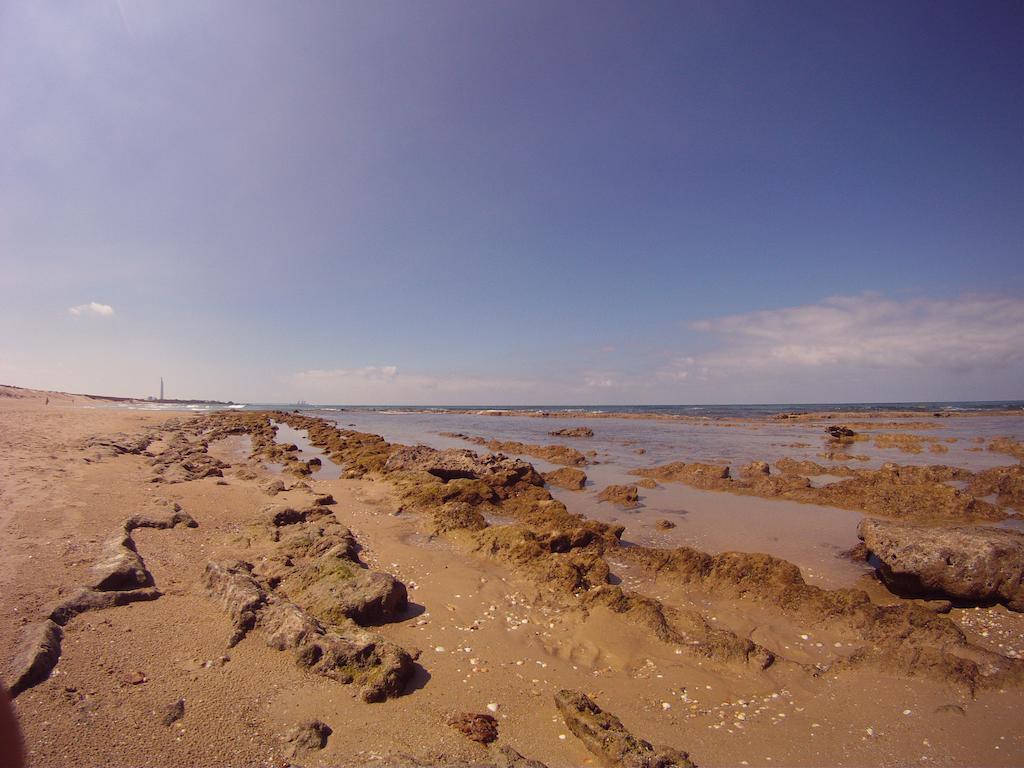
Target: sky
(514,202)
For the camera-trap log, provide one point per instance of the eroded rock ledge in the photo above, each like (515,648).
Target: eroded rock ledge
(893,491)
(344,652)
(974,564)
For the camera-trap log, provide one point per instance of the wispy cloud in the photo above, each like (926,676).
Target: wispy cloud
(385,384)
(93,308)
(871,331)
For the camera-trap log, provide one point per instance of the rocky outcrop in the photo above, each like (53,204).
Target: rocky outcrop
(37,656)
(567,477)
(606,737)
(625,496)
(1005,483)
(556,454)
(184,460)
(496,471)
(573,432)
(318,567)
(921,493)
(707,476)
(905,638)
(344,653)
(231,583)
(1008,445)
(839,432)
(974,564)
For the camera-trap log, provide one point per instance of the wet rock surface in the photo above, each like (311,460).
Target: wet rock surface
(919,493)
(573,432)
(606,737)
(964,563)
(567,477)
(626,496)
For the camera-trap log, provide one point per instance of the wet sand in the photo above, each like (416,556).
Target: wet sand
(487,634)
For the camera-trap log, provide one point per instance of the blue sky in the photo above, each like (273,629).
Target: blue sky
(514,202)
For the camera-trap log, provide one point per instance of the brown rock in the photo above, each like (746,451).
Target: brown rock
(172,713)
(306,737)
(664,525)
(573,432)
(287,626)
(352,656)
(165,521)
(273,487)
(337,589)
(479,728)
(505,756)
(453,464)
(91,600)
(755,469)
(566,477)
(604,736)
(38,655)
(964,563)
(121,567)
(238,593)
(624,495)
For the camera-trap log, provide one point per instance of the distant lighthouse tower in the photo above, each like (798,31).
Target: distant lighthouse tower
(161,387)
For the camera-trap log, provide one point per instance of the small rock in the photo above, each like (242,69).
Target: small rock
(479,728)
(173,712)
(309,736)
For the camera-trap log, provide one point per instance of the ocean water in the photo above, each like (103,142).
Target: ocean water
(709,411)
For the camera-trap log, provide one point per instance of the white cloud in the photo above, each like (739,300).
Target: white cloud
(871,331)
(92,308)
(599,380)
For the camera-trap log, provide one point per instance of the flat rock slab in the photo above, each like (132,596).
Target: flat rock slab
(972,563)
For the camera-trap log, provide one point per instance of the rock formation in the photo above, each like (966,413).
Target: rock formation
(606,737)
(972,564)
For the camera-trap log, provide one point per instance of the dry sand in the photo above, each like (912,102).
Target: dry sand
(486,636)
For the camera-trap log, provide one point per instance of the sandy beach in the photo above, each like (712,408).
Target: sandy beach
(459,586)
